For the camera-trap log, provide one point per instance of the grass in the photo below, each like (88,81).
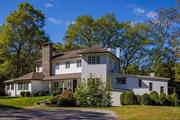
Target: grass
(133,112)
(20,102)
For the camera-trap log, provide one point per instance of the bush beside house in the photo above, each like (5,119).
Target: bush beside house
(128,98)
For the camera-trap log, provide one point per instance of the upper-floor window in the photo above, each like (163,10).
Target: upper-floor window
(139,83)
(94,60)
(38,67)
(161,89)
(78,63)
(57,65)
(150,86)
(121,80)
(67,64)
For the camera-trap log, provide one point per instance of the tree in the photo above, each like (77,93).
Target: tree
(21,38)
(161,33)
(87,31)
(133,43)
(81,32)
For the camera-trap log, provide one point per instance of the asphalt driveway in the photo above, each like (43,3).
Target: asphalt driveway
(67,114)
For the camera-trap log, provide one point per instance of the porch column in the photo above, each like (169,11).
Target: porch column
(50,86)
(63,85)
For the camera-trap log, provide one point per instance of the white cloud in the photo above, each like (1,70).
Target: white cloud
(48,5)
(55,21)
(138,10)
(58,22)
(151,15)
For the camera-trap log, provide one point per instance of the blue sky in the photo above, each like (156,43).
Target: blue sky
(60,13)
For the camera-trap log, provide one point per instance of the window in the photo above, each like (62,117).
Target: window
(150,86)
(57,65)
(12,86)
(67,64)
(8,86)
(38,67)
(121,80)
(26,86)
(161,89)
(78,63)
(139,83)
(94,60)
(23,86)
(56,84)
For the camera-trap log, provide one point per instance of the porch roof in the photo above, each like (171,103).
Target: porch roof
(32,76)
(64,76)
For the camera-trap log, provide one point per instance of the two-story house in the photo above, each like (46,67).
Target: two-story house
(62,70)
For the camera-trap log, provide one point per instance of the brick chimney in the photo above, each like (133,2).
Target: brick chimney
(47,51)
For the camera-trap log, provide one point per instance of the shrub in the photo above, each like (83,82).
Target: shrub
(162,99)
(169,100)
(175,101)
(138,99)
(27,94)
(92,92)
(154,98)
(130,98)
(55,93)
(66,102)
(145,99)
(35,94)
(53,100)
(22,93)
(41,93)
(122,98)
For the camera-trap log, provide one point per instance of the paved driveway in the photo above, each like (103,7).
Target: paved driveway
(26,114)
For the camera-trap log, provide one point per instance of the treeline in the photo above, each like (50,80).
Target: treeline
(145,47)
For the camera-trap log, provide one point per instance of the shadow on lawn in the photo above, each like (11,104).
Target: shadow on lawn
(7,97)
(8,107)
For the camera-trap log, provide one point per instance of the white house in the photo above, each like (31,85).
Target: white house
(62,70)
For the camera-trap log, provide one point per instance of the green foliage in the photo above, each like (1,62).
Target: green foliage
(22,93)
(122,98)
(130,98)
(41,93)
(27,94)
(53,100)
(162,99)
(146,100)
(55,93)
(21,38)
(154,98)
(138,99)
(175,101)
(66,102)
(92,92)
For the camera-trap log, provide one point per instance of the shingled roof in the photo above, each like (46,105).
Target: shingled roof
(32,76)
(77,53)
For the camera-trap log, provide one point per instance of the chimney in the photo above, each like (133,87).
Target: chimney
(47,51)
(152,74)
(118,52)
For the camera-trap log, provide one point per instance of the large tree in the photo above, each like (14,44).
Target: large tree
(133,41)
(21,37)
(162,29)
(87,31)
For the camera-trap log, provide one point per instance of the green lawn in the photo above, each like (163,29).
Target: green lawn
(20,102)
(134,112)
